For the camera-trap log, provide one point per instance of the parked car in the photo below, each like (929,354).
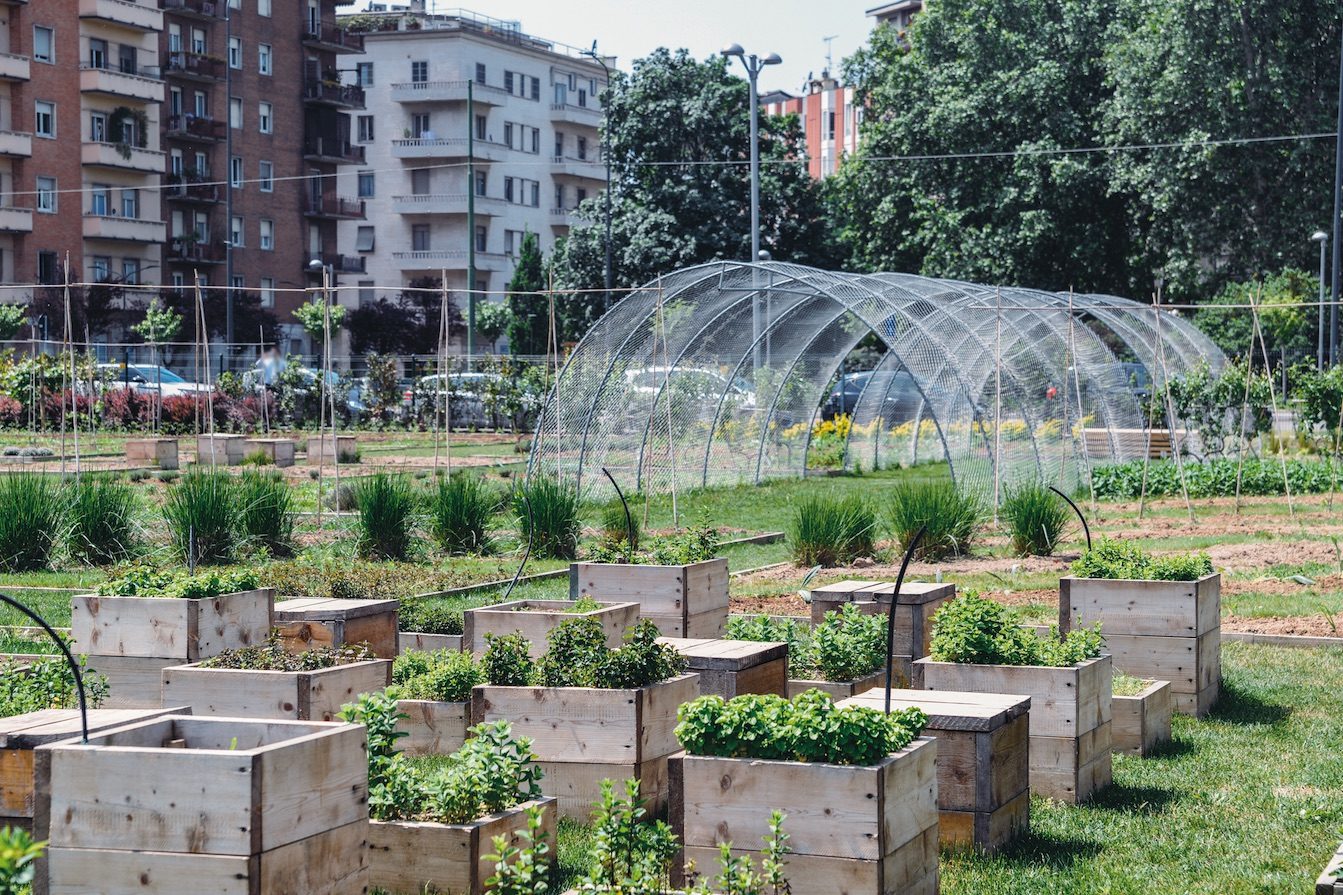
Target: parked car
(699,383)
(312,382)
(150,378)
(902,395)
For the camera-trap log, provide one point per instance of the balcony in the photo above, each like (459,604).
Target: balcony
(447,92)
(331,37)
(16,220)
(190,251)
(449,259)
(196,9)
(14,68)
(181,188)
(453,147)
(140,16)
(562,217)
(121,84)
(121,155)
(15,144)
(338,263)
(572,114)
(336,95)
(110,226)
(337,207)
(191,127)
(194,67)
(446,203)
(333,151)
(587,169)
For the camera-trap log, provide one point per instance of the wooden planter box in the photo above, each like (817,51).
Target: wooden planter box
(134,682)
(915,606)
(1070,717)
(410,857)
(1142,722)
(852,830)
(583,736)
(413,641)
(218,805)
(841,689)
(535,619)
(1155,630)
(279,450)
(168,627)
(1330,882)
(683,601)
(983,761)
(307,622)
(21,734)
(220,450)
(729,668)
(431,727)
(329,448)
(289,695)
(160,452)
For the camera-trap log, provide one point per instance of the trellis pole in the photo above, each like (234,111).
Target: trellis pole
(1077,391)
(1170,408)
(1244,413)
(205,349)
(997,401)
(1273,403)
(74,379)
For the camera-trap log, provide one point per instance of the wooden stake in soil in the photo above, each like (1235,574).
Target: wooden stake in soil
(1273,402)
(74,379)
(1244,412)
(997,401)
(1170,409)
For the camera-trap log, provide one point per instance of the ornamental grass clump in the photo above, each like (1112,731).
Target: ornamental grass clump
(547,512)
(266,513)
(952,518)
(1035,517)
(200,511)
(831,531)
(845,646)
(33,521)
(102,520)
(386,505)
(439,676)
(459,513)
(809,727)
(577,656)
(1126,560)
(973,630)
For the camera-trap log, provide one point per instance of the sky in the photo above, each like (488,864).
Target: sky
(632,28)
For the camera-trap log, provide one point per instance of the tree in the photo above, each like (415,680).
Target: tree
(311,317)
(529,322)
(492,321)
(12,319)
(406,324)
(1288,317)
(160,324)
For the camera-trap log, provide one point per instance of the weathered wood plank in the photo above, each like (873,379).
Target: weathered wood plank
(1142,722)
(295,695)
(535,619)
(432,728)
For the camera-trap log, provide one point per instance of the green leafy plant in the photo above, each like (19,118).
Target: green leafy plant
(1036,517)
(522,869)
(18,857)
(1126,560)
(583,604)
(102,520)
(577,656)
(698,543)
(266,513)
(386,510)
(974,630)
(952,518)
(33,520)
(770,629)
(830,531)
(274,657)
(1216,477)
(426,616)
(810,727)
(152,581)
(628,854)
(459,513)
(507,661)
(845,646)
(1127,685)
(47,684)
(553,523)
(440,676)
(257,458)
(200,512)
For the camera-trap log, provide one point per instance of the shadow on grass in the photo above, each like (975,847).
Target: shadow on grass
(1176,748)
(1149,800)
(1031,849)
(1237,706)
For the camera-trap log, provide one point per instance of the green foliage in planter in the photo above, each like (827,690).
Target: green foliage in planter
(33,520)
(200,511)
(577,656)
(769,629)
(974,630)
(952,518)
(698,542)
(831,531)
(583,604)
(18,857)
(386,511)
(507,660)
(553,522)
(810,727)
(266,513)
(522,869)
(1216,477)
(150,581)
(1036,517)
(459,513)
(1126,560)
(426,616)
(257,458)
(845,646)
(47,684)
(1127,685)
(102,520)
(273,657)
(440,676)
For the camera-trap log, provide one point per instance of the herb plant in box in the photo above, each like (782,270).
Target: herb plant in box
(535,619)
(1161,616)
(594,712)
(433,693)
(826,768)
(427,625)
(435,821)
(978,646)
(842,655)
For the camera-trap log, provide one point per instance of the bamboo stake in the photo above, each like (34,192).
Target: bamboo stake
(997,401)
(1244,413)
(74,378)
(1170,409)
(1273,403)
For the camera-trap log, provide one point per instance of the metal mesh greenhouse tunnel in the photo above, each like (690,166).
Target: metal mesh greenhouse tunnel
(717,375)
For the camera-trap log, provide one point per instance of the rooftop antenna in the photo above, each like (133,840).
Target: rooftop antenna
(829,53)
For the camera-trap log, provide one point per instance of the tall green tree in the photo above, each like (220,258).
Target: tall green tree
(530,320)
(1288,317)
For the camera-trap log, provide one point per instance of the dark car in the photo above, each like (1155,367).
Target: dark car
(902,396)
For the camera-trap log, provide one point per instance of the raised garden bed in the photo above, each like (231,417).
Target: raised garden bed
(186,630)
(305,623)
(416,641)
(280,451)
(433,693)
(331,448)
(220,450)
(683,601)
(915,606)
(160,452)
(262,807)
(1142,721)
(535,619)
(1331,881)
(729,668)
(837,689)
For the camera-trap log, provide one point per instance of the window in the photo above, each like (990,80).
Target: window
(179,281)
(419,237)
(100,199)
(561,94)
(265,114)
(583,148)
(235,172)
(200,104)
(364,239)
(268,292)
(367,293)
(46,195)
(263,7)
(202,164)
(512,242)
(365,184)
(363,74)
(508,81)
(508,133)
(481,180)
(238,283)
(235,4)
(365,123)
(175,101)
(419,126)
(536,89)
(482,237)
(536,141)
(198,40)
(263,62)
(265,174)
(175,163)
(481,121)
(235,113)
(130,271)
(830,125)
(582,99)
(235,231)
(579,195)
(235,52)
(202,226)
(419,72)
(130,204)
(44,44)
(48,268)
(44,119)
(98,127)
(480,73)
(102,268)
(97,53)
(559,196)
(508,189)
(419,182)
(174,38)
(128,59)
(536,194)
(267,238)
(559,144)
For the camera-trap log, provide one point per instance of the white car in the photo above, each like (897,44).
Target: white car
(150,378)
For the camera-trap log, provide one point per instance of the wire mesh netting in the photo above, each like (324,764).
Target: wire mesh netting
(720,374)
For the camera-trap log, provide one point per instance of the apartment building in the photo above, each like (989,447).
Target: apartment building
(465,110)
(829,120)
(898,13)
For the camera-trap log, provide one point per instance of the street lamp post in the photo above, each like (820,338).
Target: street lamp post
(606,156)
(1323,239)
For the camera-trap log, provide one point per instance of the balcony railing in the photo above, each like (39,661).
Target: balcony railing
(333,149)
(576,114)
(329,35)
(118,227)
(192,189)
(447,91)
(15,143)
(193,252)
(335,207)
(123,81)
(194,65)
(16,220)
(14,67)
(205,9)
(121,155)
(345,95)
(192,127)
(145,16)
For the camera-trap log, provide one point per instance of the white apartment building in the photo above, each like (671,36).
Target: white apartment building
(530,141)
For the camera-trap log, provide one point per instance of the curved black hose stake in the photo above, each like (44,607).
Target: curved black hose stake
(890,616)
(526,554)
(629,520)
(69,660)
(1086,529)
